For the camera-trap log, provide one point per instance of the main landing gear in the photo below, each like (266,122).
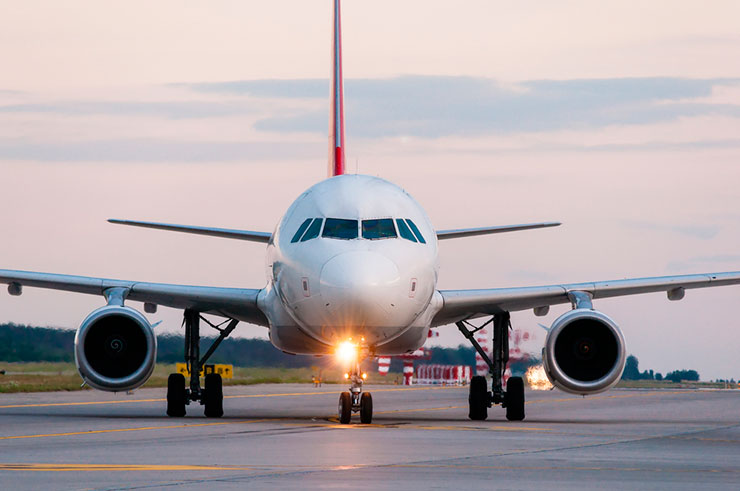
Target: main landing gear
(211,396)
(355,400)
(480,399)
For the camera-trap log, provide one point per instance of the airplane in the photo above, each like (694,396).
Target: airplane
(352,270)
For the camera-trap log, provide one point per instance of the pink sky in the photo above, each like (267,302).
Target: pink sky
(638,197)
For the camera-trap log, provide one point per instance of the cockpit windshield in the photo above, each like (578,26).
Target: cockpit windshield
(339,228)
(347,229)
(381,228)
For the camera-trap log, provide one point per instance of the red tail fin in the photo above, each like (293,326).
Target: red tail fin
(336,117)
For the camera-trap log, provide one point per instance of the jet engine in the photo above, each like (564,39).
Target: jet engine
(584,352)
(115,349)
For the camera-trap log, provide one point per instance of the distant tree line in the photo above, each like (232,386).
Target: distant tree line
(27,344)
(22,343)
(726,381)
(632,372)
(36,344)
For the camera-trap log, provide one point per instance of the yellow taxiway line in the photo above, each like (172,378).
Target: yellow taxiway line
(334,420)
(141,428)
(242,396)
(561,468)
(293,394)
(43,467)
(117,467)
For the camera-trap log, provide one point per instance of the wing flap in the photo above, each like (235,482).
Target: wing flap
(227,233)
(462,304)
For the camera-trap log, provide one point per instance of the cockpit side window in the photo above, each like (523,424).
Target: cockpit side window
(300,231)
(404,230)
(381,228)
(416,231)
(339,228)
(313,230)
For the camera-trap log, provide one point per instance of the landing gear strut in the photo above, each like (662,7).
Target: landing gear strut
(355,400)
(211,396)
(480,399)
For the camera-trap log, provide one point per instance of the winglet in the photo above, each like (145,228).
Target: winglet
(336,115)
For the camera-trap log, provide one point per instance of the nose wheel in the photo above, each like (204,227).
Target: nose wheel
(355,401)
(366,408)
(345,407)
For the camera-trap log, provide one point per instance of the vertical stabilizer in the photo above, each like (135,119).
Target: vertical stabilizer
(336,116)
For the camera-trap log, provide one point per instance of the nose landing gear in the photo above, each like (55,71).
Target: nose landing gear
(480,399)
(355,400)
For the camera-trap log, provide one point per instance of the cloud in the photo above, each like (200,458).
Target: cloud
(542,115)
(271,88)
(437,106)
(172,110)
(144,150)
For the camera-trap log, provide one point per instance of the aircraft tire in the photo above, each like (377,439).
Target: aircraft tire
(176,395)
(514,398)
(213,396)
(345,407)
(366,408)
(478,399)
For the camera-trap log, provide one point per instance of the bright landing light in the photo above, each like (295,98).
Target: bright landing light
(347,351)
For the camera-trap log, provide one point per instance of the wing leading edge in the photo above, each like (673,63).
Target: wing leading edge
(471,232)
(237,303)
(463,304)
(226,233)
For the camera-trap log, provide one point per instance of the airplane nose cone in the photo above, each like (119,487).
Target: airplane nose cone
(361,288)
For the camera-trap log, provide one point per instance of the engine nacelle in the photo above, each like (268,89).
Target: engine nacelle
(115,349)
(584,352)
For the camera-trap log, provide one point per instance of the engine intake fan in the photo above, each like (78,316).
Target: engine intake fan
(584,352)
(115,349)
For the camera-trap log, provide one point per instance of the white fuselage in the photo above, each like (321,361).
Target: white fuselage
(347,262)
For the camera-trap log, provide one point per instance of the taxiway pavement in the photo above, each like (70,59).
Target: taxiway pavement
(286,436)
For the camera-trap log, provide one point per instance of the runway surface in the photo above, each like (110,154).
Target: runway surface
(286,436)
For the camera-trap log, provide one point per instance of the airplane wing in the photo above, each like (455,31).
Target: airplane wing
(227,233)
(465,304)
(237,303)
(471,232)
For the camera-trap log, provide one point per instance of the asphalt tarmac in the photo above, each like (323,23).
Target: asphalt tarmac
(286,436)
